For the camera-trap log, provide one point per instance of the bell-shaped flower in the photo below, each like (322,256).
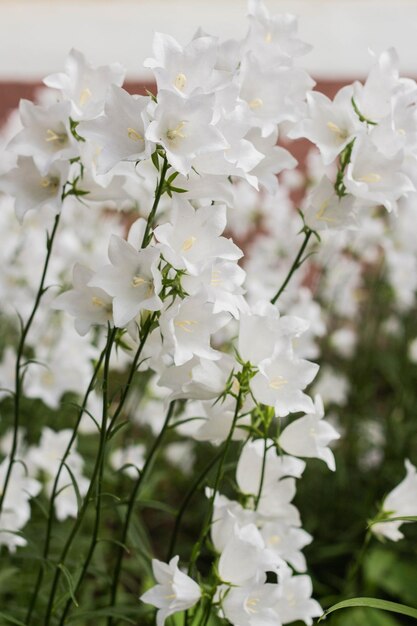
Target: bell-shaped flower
(287,542)
(280,382)
(84,85)
(326,211)
(187,326)
(309,436)
(133,280)
(174,592)
(120,132)
(400,502)
(46,134)
(374,178)
(184,127)
(331,125)
(245,559)
(89,305)
(295,601)
(33,190)
(226,515)
(185,70)
(194,237)
(216,421)
(251,605)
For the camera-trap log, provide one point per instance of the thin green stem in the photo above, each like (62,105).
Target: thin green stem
(158,193)
(86,502)
(190,493)
(298,261)
(20,350)
(219,475)
(103,439)
(261,481)
(55,485)
(131,505)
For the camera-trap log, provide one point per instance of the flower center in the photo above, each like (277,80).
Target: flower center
(180,81)
(186,325)
(49,182)
(188,243)
(134,135)
(251,605)
(176,133)
(372,177)
(60,138)
(256,103)
(215,278)
(342,134)
(278,382)
(85,96)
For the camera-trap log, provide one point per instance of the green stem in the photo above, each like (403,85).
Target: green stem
(55,486)
(261,482)
(219,475)
(192,490)
(103,439)
(18,379)
(297,263)
(131,505)
(158,193)
(86,502)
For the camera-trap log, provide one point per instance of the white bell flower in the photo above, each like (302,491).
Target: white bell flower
(310,435)
(133,280)
(46,134)
(287,542)
(84,85)
(194,237)
(295,601)
(324,210)
(187,326)
(226,515)
(120,132)
(400,502)
(251,605)
(33,190)
(174,592)
(89,305)
(184,128)
(280,382)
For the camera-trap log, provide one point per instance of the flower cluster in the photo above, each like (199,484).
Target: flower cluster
(228,347)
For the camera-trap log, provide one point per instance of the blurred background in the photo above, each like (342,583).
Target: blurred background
(36,35)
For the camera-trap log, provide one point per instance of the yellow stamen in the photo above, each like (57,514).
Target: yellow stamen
(85,96)
(251,604)
(51,135)
(256,103)
(278,382)
(49,182)
(342,134)
(186,325)
(134,135)
(372,177)
(97,301)
(174,133)
(321,213)
(180,81)
(137,281)
(268,37)
(188,243)
(274,540)
(215,278)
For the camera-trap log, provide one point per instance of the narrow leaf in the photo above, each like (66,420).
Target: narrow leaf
(373,603)
(68,577)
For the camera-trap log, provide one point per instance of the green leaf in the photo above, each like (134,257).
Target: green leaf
(383,569)
(116,429)
(118,612)
(69,580)
(75,485)
(11,620)
(155,160)
(404,518)
(372,603)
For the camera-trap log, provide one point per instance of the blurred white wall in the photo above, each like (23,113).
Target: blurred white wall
(35,36)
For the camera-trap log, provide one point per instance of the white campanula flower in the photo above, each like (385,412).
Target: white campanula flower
(251,605)
(324,209)
(187,326)
(184,127)
(85,86)
(331,125)
(215,421)
(16,508)
(310,435)
(120,132)
(185,70)
(32,189)
(193,237)
(287,541)
(133,280)
(174,592)
(226,515)
(295,601)
(89,305)
(46,134)
(373,177)
(400,502)
(275,159)
(280,382)
(245,559)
